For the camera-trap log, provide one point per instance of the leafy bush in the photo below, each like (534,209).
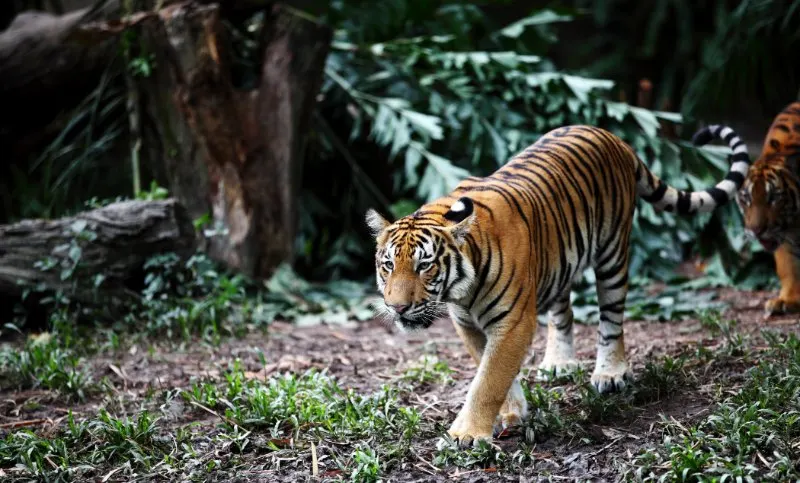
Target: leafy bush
(442,106)
(418,94)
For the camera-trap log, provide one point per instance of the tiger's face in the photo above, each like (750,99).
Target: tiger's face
(419,267)
(769,199)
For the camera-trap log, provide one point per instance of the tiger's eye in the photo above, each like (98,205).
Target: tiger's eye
(423,266)
(388,265)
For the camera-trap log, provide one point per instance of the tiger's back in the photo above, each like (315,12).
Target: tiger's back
(552,209)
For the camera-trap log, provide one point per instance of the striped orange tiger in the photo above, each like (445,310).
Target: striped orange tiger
(770,203)
(499,250)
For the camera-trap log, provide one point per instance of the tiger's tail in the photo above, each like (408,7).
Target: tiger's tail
(665,197)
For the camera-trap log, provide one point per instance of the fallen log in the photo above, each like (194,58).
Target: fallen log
(43,72)
(90,256)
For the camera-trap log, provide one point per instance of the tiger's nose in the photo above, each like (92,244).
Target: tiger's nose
(400,308)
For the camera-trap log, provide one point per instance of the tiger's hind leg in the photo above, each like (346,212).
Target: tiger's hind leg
(559,354)
(611,368)
(787,264)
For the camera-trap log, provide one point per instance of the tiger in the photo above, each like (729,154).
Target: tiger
(769,201)
(498,251)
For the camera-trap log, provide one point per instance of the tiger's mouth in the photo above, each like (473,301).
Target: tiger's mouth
(412,324)
(769,244)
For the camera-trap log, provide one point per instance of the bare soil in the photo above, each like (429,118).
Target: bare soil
(365,356)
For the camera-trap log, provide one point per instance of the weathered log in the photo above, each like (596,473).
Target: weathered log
(42,72)
(233,155)
(91,256)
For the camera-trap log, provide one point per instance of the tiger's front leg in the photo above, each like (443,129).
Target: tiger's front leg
(787,264)
(507,342)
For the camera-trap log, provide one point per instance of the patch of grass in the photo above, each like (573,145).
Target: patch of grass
(362,435)
(483,455)
(734,342)
(752,434)
(44,362)
(187,299)
(82,449)
(315,402)
(367,465)
(428,370)
(546,417)
(313,407)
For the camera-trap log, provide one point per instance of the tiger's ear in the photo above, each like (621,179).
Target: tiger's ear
(376,222)
(463,213)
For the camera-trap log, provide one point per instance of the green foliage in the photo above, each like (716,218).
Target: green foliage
(429,370)
(83,445)
(43,362)
(417,94)
(546,417)
(746,58)
(442,106)
(312,400)
(312,407)
(483,455)
(752,434)
(60,177)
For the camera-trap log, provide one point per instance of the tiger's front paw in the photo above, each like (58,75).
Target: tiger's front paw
(778,305)
(552,367)
(468,433)
(611,378)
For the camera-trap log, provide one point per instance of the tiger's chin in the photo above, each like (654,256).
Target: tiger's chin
(411,325)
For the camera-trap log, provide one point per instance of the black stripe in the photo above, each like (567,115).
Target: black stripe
(737,178)
(499,296)
(605,319)
(503,314)
(656,195)
(616,307)
(719,195)
(684,204)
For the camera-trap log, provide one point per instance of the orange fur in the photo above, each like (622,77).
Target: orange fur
(499,250)
(770,203)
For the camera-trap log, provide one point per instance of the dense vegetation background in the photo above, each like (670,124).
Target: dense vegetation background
(419,93)
(206,375)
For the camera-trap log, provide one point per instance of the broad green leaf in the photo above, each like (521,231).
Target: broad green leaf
(646,119)
(403,208)
(499,144)
(675,117)
(617,110)
(424,122)
(413,160)
(582,86)
(541,18)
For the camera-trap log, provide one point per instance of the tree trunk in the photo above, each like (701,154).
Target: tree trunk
(90,256)
(230,155)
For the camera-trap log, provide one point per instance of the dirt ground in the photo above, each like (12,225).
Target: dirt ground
(366,355)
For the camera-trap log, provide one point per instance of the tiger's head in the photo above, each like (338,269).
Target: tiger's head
(420,262)
(770,199)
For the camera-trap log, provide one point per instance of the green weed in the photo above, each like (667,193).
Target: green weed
(429,370)
(754,433)
(42,362)
(313,407)
(83,447)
